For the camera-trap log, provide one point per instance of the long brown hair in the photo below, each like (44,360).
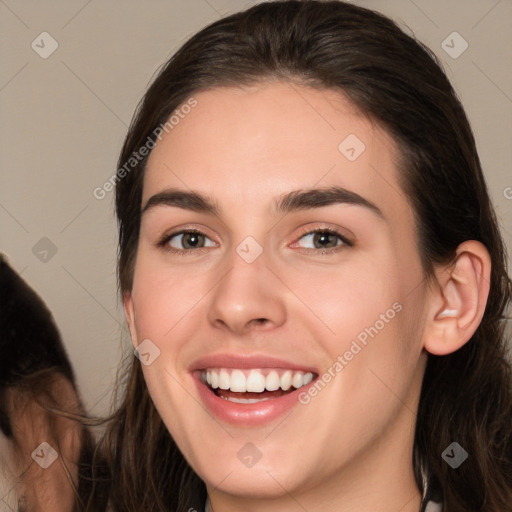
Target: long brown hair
(398,82)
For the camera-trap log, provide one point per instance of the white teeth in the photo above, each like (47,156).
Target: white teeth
(238,382)
(244,400)
(297,379)
(255,380)
(286,381)
(307,378)
(223,379)
(272,381)
(214,376)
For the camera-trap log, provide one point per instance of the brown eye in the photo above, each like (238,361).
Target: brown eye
(324,239)
(186,240)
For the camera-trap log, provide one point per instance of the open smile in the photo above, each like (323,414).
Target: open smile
(245,395)
(254,385)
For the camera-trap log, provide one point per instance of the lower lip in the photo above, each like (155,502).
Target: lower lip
(254,414)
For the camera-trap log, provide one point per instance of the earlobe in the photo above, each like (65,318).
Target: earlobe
(129,313)
(458,304)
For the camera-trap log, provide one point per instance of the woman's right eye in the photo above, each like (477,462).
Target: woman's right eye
(183,241)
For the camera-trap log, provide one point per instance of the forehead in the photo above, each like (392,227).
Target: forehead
(247,145)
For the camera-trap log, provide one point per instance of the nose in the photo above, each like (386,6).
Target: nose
(248,297)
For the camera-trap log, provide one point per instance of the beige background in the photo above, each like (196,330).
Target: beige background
(63,120)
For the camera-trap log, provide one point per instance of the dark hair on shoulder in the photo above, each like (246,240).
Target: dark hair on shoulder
(399,83)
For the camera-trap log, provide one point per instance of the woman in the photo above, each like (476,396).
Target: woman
(313,278)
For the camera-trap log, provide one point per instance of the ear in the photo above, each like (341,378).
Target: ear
(458,299)
(129,313)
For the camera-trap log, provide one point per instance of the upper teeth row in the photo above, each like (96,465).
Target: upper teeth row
(255,381)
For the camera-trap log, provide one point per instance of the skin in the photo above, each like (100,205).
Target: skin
(350,448)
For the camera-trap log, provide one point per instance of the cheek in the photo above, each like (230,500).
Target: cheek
(340,303)
(175,407)
(162,298)
(366,321)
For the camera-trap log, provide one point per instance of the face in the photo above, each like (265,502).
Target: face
(281,328)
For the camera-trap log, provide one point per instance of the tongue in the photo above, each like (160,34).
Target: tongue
(226,393)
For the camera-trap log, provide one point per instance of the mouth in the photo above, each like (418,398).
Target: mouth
(251,386)
(250,390)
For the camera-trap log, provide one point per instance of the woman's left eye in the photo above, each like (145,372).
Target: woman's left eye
(326,239)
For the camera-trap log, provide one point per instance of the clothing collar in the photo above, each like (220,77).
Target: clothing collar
(430,506)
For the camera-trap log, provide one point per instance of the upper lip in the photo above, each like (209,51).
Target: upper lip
(246,362)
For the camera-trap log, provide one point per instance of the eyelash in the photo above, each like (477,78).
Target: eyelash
(180,252)
(183,252)
(329,250)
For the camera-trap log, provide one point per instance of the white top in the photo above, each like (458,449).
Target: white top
(432,506)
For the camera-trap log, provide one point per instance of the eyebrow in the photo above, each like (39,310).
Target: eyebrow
(292,201)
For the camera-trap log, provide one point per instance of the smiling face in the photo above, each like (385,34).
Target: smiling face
(258,283)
